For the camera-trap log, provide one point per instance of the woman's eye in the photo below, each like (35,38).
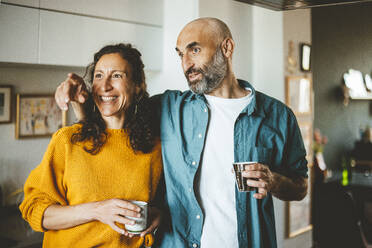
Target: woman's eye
(196,50)
(98,75)
(117,75)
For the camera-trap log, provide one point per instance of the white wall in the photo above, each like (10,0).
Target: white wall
(177,13)
(268,52)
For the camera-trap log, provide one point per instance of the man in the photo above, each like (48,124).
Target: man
(221,120)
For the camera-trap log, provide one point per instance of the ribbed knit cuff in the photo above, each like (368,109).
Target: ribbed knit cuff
(36,220)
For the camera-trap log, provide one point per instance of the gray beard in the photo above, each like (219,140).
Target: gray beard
(212,75)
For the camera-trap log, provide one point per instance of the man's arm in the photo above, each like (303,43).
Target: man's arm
(72,90)
(282,187)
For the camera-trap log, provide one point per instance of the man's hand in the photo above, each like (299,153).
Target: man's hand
(73,89)
(287,189)
(259,176)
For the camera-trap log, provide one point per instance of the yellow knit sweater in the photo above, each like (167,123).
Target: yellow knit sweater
(68,175)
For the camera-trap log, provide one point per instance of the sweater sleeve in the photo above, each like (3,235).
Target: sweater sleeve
(44,186)
(156,169)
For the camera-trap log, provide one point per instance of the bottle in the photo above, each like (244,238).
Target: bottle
(345,172)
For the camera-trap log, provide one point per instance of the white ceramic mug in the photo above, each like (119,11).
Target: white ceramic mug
(141,222)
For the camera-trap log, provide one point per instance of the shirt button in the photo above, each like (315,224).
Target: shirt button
(194,245)
(200,135)
(198,216)
(190,189)
(205,110)
(193,163)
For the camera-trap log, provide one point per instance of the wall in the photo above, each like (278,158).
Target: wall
(342,39)
(177,13)
(19,157)
(297,28)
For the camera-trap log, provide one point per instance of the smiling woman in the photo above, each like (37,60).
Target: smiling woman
(95,173)
(119,99)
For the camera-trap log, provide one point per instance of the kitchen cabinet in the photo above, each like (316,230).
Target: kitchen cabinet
(19,29)
(138,11)
(71,40)
(30,3)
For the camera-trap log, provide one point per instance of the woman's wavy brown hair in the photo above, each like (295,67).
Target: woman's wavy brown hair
(139,120)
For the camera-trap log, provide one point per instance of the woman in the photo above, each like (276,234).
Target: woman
(79,194)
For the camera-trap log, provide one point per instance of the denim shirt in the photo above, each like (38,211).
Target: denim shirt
(266,131)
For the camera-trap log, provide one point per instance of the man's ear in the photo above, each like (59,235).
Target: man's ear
(227,47)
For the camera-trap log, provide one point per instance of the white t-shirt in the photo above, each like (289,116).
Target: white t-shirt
(216,181)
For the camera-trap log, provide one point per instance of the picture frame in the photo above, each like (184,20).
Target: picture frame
(306,128)
(6,100)
(305,57)
(298,213)
(37,116)
(298,94)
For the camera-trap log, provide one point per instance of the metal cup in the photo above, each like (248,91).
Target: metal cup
(141,222)
(241,182)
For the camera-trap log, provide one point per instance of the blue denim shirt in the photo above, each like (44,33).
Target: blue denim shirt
(265,131)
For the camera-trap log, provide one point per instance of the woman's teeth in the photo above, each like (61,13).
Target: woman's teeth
(108,98)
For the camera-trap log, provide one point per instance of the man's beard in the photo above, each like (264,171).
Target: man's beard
(212,74)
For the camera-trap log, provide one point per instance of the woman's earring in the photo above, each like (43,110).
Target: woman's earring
(94,108)
(135,109)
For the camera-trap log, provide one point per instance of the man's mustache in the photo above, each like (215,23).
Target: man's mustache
(193,70)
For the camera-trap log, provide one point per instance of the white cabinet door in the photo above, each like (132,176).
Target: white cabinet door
(19,27)
(72,40)
(137,11)
(31,3)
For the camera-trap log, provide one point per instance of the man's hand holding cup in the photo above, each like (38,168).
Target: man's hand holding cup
(254,176)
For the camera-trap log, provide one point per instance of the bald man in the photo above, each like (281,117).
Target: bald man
(220,120)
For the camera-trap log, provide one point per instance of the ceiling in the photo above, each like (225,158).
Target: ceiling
(298,4)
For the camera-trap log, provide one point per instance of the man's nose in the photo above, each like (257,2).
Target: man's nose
(187,63)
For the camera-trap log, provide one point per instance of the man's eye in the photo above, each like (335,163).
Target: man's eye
(195,50)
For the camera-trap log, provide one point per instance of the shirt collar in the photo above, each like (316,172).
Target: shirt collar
(252,107)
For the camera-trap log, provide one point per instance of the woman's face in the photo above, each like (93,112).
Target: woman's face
(113,87)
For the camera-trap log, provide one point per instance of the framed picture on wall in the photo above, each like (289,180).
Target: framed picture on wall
(37,116)
(6,92)
(298,94)
(305,57)
(299,213)
(306,129)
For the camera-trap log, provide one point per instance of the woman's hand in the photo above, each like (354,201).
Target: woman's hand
(114,211)
(154,219)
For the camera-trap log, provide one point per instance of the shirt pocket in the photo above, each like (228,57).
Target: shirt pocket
(261,155)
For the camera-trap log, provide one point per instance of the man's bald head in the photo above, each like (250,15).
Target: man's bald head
(217,28)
